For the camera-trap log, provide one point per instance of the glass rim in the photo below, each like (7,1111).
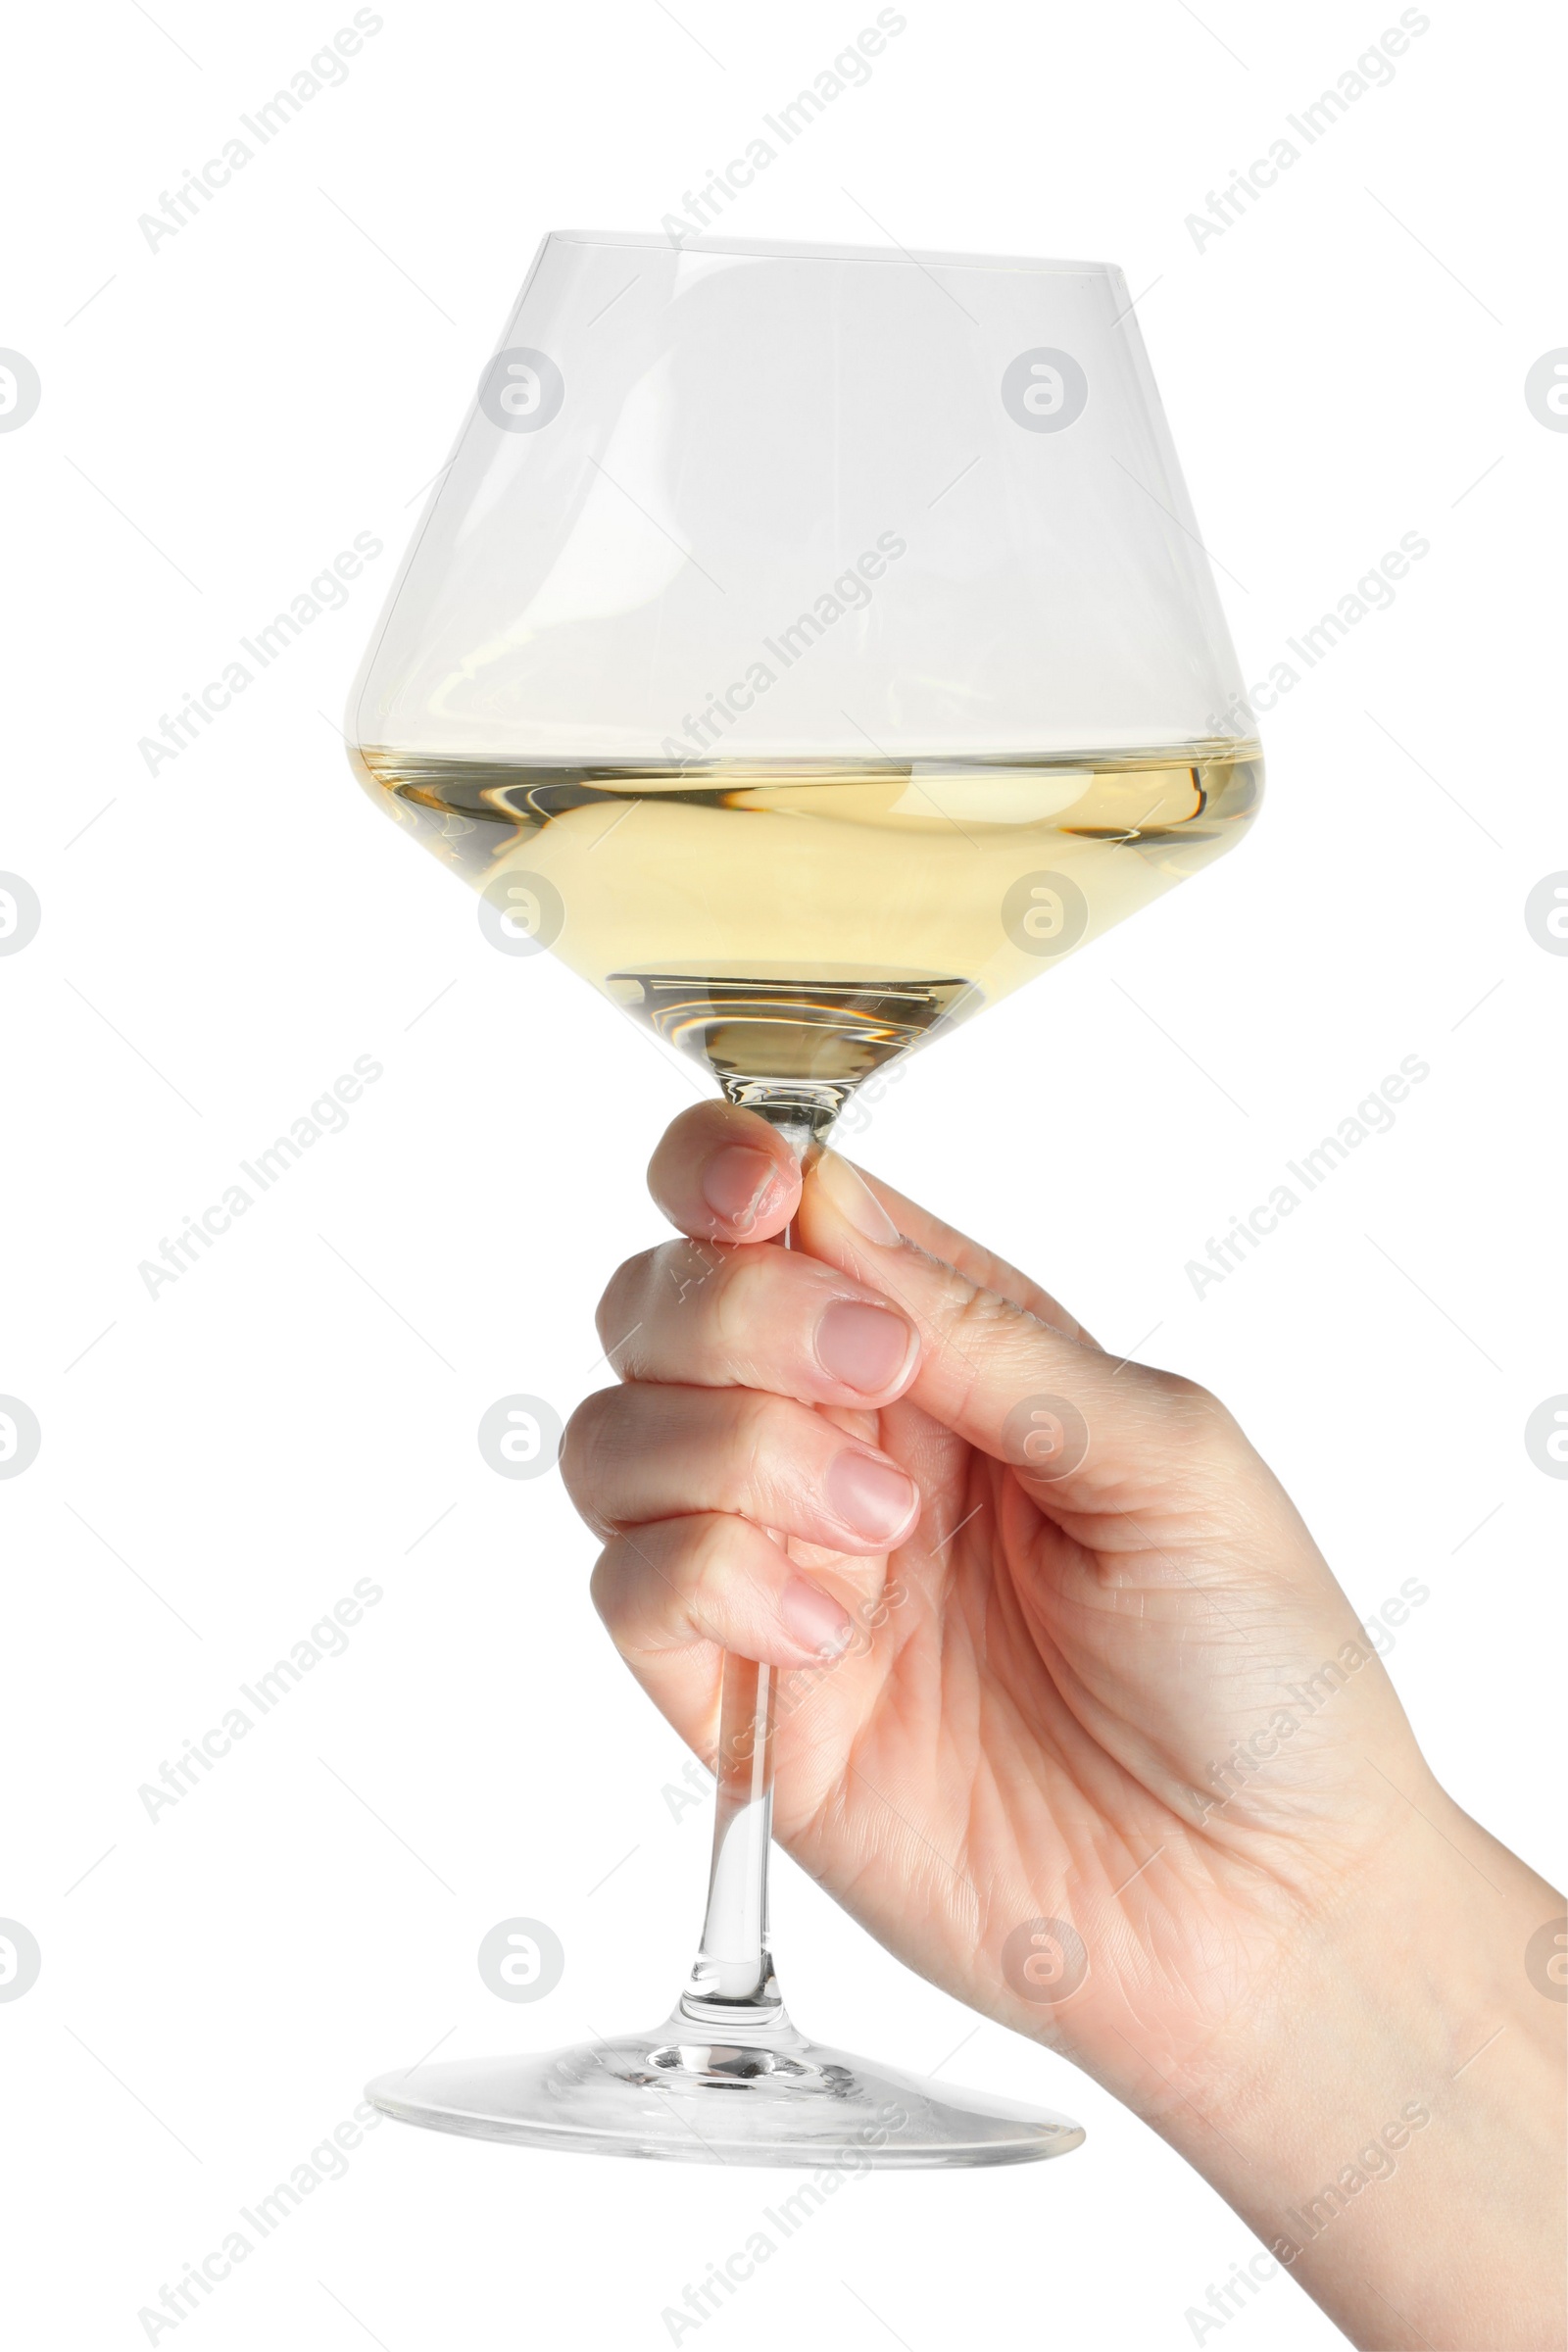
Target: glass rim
(773,249)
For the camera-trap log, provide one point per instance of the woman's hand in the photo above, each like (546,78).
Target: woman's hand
(1072,1715)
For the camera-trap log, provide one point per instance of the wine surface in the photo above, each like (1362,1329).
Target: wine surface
(811,921)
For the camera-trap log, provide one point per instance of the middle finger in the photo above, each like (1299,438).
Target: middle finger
(650,1451)
(755,1317)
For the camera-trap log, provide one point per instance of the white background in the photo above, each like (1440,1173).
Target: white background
(1343,366)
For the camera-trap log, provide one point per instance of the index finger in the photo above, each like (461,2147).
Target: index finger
(722,1174)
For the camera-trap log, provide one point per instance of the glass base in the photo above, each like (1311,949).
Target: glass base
(768,2097)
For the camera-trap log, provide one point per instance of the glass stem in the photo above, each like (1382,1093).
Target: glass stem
(732,1984)
(733,1981)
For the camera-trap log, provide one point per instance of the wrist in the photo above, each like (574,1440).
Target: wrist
(1388,2115)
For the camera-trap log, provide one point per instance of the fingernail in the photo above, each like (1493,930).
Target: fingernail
(736,1181)
(871,1496)
(814,1618)
(865,1347)
(855,1200)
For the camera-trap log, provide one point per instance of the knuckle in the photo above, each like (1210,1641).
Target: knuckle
(741,1300)
(705,1568)
(1195,1409)
(681,1270)
(755,1433)
(977,1317)
(587,1443)
(635,1603)
(606,1589)
(976,1327)
(618,1303)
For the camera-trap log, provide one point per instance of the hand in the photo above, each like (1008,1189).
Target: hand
(1057,1647)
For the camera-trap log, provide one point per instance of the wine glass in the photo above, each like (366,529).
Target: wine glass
(808,644)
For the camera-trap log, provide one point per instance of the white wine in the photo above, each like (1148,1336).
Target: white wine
(807,922)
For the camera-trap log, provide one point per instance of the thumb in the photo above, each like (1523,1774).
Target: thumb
(1084,1432)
